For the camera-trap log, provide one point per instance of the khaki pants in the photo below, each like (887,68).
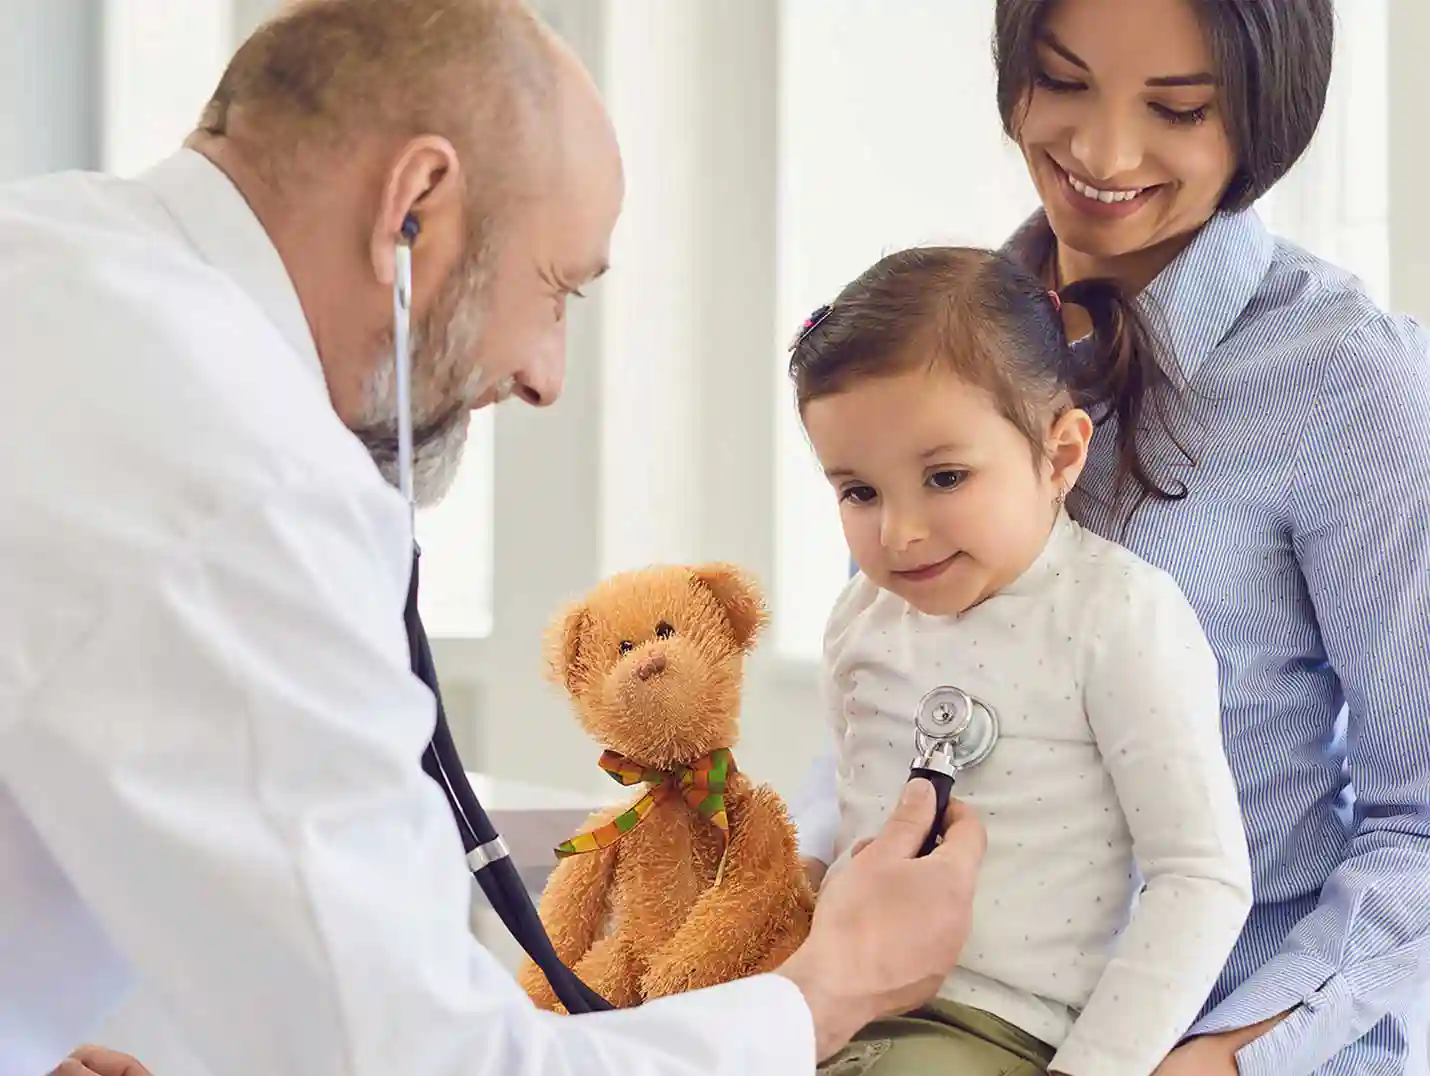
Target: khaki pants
(943,1039)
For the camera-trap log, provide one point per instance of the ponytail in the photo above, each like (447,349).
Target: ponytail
(1124,376)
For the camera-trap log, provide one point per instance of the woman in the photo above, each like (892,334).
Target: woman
(1303,535)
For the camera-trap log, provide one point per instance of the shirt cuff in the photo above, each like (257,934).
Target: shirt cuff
(1306,1039)
(1321,1007)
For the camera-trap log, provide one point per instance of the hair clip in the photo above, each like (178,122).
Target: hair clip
(1056,298)
(810,324)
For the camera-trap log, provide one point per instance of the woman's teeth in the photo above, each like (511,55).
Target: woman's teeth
(1107,197)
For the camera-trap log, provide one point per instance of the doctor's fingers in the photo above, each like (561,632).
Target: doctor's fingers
(98,1061)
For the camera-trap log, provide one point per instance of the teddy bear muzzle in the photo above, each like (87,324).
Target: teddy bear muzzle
(651,665)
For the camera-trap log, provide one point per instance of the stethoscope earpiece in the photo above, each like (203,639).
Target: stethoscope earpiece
(410,228)
(953,731)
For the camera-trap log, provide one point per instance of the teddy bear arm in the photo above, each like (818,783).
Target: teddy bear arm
(758,914)
(576,902)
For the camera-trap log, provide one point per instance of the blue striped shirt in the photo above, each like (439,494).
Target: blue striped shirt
(1304,545)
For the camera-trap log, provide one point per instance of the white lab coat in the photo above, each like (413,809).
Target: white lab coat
(209,736)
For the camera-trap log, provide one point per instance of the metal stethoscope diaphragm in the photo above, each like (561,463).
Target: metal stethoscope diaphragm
(953,731)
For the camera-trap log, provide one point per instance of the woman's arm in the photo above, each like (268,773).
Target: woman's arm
(1362,534)
(1153,702)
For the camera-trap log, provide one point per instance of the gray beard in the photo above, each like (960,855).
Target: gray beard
(436,449)
(441,413)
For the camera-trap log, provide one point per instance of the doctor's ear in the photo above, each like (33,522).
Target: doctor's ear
(422,193)
(564,664)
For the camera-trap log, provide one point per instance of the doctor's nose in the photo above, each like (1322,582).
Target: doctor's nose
(540,383)
(1106,146)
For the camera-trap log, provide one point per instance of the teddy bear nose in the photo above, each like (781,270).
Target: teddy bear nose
(651,666)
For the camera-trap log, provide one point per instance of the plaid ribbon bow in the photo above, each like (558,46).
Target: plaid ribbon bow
(702,786)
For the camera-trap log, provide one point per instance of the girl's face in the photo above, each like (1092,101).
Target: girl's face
(1123,134)
(940,496)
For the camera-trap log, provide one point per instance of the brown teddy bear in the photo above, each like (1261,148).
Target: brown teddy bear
(698,881)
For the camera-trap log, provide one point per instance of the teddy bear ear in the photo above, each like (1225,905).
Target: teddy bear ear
(739,596)
(563,646)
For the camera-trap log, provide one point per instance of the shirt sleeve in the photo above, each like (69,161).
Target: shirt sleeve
(1362,534)
(1152,699)
(227,767)
(816,808)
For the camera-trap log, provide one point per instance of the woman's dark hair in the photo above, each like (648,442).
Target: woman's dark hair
(1272,57)
(979,316)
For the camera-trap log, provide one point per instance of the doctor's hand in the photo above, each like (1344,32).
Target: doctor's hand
(889,927)
(97,1061)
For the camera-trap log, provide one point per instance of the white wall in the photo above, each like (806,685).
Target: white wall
(49,52)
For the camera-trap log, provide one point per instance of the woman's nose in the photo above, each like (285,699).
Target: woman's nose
(1106,145)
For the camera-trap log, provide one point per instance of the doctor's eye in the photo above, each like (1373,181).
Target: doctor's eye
(664,630)
(626,646)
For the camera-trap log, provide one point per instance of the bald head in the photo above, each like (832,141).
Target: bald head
(323,74)
(340,119)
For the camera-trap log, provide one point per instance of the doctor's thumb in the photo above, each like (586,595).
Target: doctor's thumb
(905,829)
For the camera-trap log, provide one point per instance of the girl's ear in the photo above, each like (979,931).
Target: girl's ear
(1068,438)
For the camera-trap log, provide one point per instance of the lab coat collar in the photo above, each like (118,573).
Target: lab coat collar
(217,220)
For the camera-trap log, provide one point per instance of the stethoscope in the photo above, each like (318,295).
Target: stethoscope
(487,854)
(953,730)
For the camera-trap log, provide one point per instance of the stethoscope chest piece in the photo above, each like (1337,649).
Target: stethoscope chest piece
(953,730)
(966,727)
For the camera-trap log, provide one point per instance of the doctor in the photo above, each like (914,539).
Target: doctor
(209,735)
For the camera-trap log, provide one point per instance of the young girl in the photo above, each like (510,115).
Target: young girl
(952,418)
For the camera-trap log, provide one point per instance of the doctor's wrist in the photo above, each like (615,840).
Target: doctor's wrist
(838,1014)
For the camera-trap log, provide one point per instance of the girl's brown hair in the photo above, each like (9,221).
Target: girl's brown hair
(982,318)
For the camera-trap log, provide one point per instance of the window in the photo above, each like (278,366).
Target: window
(889,136)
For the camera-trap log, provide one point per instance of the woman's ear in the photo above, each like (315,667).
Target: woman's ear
(1068,440)
(739,597)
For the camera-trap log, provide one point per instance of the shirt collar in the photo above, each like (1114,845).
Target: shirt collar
(225,232)
(1193,302)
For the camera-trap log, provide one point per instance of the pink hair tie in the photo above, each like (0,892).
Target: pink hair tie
(1057,300)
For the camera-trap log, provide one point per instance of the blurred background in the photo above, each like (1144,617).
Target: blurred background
(773,149)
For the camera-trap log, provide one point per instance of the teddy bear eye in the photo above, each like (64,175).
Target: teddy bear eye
(626,646)
(663,630)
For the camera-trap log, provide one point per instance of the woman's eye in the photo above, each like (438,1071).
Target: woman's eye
(1188,117)
(947,479)
(626,646)
(664,630)
(1045,81)
(859,494)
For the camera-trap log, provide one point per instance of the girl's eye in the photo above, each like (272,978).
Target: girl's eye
(859,494)
(1045,81)
(663,630)
(947,479)
(1188,118)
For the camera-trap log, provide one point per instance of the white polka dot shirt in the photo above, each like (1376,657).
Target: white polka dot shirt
(1109,774)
